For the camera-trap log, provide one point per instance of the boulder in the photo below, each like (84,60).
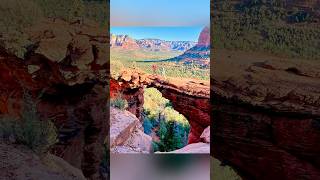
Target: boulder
(205,136)
(126,134)
(19,162)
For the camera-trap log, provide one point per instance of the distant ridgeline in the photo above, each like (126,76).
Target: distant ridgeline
(198,55)
(126,42)
(289,27)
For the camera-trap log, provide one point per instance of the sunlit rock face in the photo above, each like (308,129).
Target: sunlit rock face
(123,41)
(126,133)
(204,38)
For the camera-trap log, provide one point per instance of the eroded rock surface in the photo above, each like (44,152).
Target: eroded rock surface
(205,136)
(266,115)
(126,133)
(67,65)
(19,162)
(189,97)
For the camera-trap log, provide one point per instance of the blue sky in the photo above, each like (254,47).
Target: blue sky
(164,33)
(160,12)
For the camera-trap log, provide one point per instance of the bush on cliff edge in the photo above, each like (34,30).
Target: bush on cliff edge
(29,129)
(119,102)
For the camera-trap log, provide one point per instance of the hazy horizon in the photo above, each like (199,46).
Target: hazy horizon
(163,33)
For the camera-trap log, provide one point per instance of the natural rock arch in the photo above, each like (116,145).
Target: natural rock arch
(188,97)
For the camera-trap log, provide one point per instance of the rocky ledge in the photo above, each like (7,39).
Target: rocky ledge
(266,113)
(126,133)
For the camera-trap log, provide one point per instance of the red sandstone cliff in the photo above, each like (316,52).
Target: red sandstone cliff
(189,97)
(204,37)
(68,67)
(123,41)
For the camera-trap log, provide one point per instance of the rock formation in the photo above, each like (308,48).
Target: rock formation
(204,37)
(189,97)
(123,41)
(126,133)
(126,42)
(266,115)
(19,162)
(133,95)
(199,54)
(161,45)
(205,136)
(67,66)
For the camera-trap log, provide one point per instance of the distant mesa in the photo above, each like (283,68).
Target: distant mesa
(123,41)
(204,38)
(193,53)
(199,54)
(126,42)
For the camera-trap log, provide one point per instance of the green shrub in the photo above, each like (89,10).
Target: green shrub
(158,146)
(39,135)
(147,126)
(173,135)
(119,102)
(171,126)
(169,69)
(265,26)
(16,15)
(162,132)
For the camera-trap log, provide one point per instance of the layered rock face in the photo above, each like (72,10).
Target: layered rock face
(126,133)
(199,54)
(189,97)
(126,42)
(133,95)
(67,66)
(123,41)
(266,115)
